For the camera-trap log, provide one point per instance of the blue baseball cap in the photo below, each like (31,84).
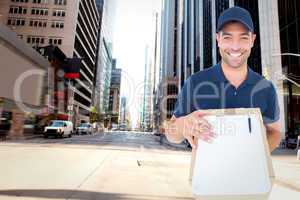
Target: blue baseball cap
(235,14)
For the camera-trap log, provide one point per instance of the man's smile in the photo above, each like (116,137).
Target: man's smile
(235,55)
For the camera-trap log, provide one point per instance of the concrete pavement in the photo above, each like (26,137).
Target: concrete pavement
(97,167)
(74,173)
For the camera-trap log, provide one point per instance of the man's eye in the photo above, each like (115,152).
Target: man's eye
(245,38)
(226,38)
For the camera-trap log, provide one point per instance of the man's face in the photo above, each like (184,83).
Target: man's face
(235,43)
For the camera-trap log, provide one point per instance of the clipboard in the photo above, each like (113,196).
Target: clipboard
(237,165)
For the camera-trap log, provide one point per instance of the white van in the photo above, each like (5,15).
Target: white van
(59,128)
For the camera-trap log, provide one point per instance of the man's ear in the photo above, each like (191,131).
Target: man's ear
(253,39)
(218,36)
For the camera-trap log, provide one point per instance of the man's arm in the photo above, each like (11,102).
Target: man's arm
(273,135)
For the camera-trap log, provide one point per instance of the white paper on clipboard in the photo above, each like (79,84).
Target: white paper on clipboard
(236,162)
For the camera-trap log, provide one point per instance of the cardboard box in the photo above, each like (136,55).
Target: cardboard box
(237,164)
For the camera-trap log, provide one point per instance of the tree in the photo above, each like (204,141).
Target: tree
(94,115)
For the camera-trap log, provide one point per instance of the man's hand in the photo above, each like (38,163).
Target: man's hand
(192,127)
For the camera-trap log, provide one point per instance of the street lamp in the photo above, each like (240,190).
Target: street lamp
(286,54)
(282,76)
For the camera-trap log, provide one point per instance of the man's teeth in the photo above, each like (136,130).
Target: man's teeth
(235,54)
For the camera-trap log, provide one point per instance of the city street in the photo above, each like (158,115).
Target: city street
(114,165)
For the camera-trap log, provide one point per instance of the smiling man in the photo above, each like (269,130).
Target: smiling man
(229,84)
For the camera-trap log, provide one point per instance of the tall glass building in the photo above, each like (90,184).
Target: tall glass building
(104,55)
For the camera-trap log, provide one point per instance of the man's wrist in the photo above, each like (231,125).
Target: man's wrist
(172,132)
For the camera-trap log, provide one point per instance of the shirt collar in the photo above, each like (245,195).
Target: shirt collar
(251,75)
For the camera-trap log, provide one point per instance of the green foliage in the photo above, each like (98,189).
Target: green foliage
(94,115)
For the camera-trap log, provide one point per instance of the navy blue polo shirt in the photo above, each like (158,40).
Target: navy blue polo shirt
(209,89)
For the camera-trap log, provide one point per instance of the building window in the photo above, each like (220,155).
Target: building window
(60,2)
(172,90)
(170,107)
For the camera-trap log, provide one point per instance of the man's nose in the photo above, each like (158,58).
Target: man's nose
(235,45)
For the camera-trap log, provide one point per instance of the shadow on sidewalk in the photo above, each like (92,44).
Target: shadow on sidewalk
(284,152)
(83,195)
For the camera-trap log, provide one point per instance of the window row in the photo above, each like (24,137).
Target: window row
(33,1)
(21,1)
(60,2)
(55,41)
(38,23)
(59,13)
(17,10)
(39,11)
(40,1)
(16,22)
(36,11)
(57,24)
(35,40)
(56,2)
(42,40)
(34,23)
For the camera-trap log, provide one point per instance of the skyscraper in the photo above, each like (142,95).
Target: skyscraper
(104,55)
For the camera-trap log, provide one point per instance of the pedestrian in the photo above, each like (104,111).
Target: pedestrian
(229,84)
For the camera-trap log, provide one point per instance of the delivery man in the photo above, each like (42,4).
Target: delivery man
(228,84)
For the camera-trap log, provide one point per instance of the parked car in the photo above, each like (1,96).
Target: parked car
(123,127)
(59,128)
(291,140)
(84,128)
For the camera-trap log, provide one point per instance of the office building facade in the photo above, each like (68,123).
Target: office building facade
(72,25)
(114,94)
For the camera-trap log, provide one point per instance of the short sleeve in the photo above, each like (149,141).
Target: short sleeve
(271,114)
(183,104)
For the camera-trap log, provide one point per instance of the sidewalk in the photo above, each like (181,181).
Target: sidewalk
(287,168)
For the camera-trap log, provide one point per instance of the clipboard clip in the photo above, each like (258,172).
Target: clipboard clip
(249,124)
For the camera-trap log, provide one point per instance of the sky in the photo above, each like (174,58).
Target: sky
(134,29)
